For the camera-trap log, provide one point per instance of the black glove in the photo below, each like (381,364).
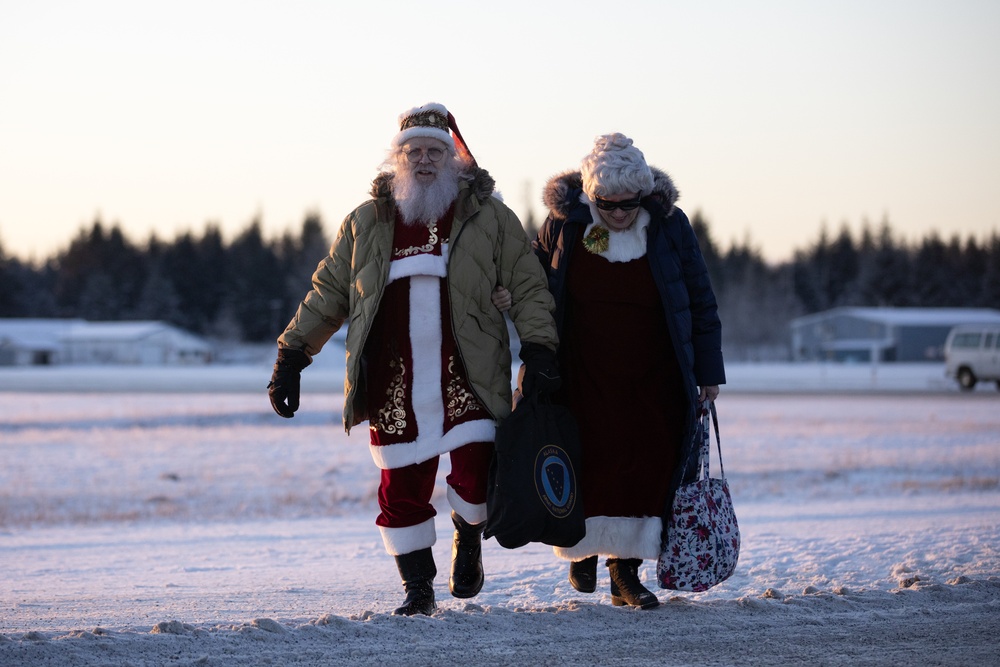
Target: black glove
(283,389)
(541,371)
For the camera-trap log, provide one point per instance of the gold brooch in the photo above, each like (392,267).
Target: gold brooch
(597,240)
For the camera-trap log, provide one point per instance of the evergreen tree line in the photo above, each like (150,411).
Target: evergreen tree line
(244,290)
(247,289)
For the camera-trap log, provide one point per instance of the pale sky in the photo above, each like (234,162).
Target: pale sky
(774,118)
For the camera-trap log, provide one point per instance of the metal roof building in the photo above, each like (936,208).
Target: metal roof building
(74,341)
(32,341)
(880,334)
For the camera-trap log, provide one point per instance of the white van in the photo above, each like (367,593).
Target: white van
(972,353)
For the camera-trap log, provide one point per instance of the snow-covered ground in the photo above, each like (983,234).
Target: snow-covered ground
(167,517)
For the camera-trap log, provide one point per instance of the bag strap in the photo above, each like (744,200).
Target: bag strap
(718,441)
(701,463)
(706,449)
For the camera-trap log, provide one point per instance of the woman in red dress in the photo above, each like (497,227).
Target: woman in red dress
(640,348)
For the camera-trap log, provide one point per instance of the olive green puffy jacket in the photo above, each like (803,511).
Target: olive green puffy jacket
(487,247)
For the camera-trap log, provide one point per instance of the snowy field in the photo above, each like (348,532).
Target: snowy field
(168,517)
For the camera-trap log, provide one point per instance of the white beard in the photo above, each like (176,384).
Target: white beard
(420,203)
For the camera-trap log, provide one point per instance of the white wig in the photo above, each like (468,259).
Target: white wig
(615,166)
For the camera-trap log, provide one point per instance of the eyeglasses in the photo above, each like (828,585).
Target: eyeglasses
(433,154)
(608,205)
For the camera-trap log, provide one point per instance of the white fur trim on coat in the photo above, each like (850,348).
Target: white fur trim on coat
(420,265)
(617,537)
(407,453)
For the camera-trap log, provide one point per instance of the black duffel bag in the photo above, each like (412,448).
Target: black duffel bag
(534,479)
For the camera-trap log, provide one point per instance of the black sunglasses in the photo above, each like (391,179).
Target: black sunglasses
(627,205)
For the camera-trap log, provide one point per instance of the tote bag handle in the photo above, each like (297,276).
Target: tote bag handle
(704,448)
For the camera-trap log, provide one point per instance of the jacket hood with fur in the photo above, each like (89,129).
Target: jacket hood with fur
(558,195)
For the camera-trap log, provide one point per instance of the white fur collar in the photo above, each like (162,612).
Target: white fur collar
(623,246)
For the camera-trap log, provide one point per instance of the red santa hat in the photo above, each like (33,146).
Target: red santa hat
(435,121)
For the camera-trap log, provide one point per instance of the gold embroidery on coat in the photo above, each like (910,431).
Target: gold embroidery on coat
(392,418)
(460,400)
(427,247)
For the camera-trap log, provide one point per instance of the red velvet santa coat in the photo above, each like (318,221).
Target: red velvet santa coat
(421,402)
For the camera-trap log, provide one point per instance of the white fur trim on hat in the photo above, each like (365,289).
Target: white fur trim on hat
(429,120)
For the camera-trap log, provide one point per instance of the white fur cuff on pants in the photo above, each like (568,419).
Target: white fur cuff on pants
(399,541)
(473,514)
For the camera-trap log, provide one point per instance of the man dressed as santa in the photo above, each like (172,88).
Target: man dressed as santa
(411,273)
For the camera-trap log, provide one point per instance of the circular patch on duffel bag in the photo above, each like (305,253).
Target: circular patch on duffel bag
(555,480)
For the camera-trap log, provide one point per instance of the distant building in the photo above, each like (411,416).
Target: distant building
(32,342)
(880,334)
(55,341)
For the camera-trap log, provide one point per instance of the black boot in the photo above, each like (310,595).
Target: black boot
(626,589)
(417,570)
(466,558)
(583,574)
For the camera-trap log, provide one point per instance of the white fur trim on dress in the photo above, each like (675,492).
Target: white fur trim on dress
(625,245)
(617,537)
(399,541)
(472,514)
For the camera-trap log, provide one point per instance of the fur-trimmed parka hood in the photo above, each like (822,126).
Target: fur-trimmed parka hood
(563,190)
(479,180)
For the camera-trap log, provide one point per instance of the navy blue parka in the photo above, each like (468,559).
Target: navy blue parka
(679,272)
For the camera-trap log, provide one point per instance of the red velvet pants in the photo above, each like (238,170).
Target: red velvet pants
(404,495)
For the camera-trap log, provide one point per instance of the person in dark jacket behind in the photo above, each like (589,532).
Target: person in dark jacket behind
(640,351)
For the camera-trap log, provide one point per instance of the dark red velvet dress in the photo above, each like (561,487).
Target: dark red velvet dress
(623,384)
